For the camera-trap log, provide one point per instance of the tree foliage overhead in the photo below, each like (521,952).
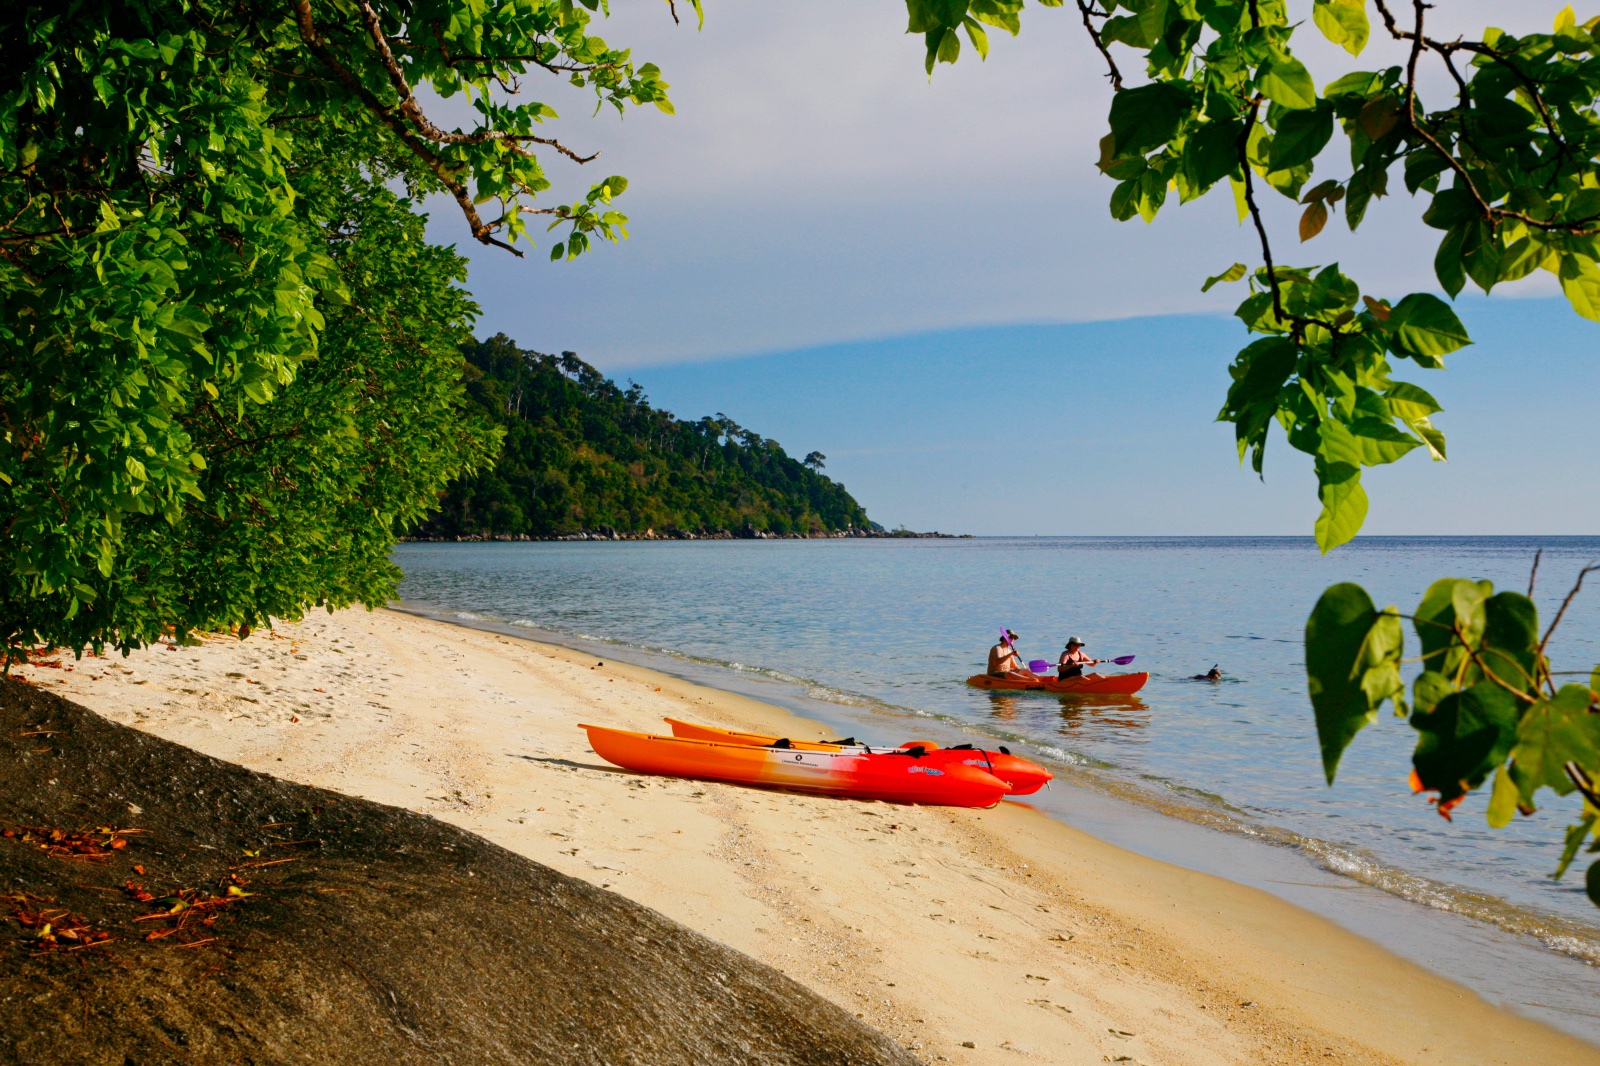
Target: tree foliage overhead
(198,251)
(582,454)
(1507,170)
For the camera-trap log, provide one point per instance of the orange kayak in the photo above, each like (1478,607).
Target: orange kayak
(1021,777)
(897,776)
(1089,684)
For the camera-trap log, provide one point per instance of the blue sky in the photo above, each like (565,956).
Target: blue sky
(1107,428)
(901,273)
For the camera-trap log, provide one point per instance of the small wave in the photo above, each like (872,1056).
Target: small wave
(1567,936)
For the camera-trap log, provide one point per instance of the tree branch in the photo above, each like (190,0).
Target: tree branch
(1255,217)
(413,110)
(441,169)
(1099,42)
(1576,585)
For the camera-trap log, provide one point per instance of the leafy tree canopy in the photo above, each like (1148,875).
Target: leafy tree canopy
(227,360)
(582,454)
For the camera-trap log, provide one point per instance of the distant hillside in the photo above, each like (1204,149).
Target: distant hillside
(581,454)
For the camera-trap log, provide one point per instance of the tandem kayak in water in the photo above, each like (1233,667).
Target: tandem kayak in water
(1088,684)
(1021,777)
(896,776)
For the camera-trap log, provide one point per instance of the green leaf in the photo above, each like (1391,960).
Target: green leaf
(979,39)
(1424,324)
(932,16)
(1352,666)
(1233,273)
(1147,117)
(1435,621)
(1284,80)
(1510,644)
(1344,509)
(1449,263)
(1552,733)
(1381,442)
(1451,208)
(1463,739)
(1410,401)
(1429,688)
(1502,800)
(1359,83)
(1591,883)
(1363,185)
(1576,835)
(1344,22)
(1580,281)
(1211,152)
(1300,136)
(1413,405)
(1339,450)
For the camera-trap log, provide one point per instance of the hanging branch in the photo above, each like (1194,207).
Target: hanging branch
(1099,42)
(402,130)
(412,110)
(1576,585)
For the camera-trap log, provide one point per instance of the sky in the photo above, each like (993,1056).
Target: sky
(921,279)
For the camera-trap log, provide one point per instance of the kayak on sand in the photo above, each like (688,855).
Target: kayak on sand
(895,776)
(1022,777)
(1088,684)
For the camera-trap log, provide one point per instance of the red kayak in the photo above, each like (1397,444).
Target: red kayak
(895,776)
(1022,777)
(1088,684)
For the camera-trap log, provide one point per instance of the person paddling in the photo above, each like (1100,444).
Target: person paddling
(1073,660)
(1005,662)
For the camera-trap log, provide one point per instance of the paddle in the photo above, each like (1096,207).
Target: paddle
(1040,666)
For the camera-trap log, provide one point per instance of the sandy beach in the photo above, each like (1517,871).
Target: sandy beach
(969,936)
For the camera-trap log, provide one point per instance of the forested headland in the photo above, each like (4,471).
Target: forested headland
(582,455)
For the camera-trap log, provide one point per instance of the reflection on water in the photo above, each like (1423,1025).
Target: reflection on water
(1104,714)
(1005,705)
(1120,713)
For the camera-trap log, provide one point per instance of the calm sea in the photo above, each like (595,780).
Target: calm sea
(877,637)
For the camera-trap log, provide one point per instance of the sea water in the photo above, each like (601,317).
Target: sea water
(878,637)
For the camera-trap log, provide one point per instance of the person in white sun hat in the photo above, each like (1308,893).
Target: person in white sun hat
(1073,660)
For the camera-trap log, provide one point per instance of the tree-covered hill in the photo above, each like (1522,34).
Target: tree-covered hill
(581,454)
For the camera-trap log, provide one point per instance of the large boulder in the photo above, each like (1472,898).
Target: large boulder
(390,938)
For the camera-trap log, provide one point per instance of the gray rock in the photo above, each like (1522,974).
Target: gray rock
(391,939)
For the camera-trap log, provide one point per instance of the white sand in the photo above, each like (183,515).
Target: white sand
(1002,930)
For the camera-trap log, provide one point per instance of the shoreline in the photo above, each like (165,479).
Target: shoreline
(686,534)
(1479,936)
(1005,930)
